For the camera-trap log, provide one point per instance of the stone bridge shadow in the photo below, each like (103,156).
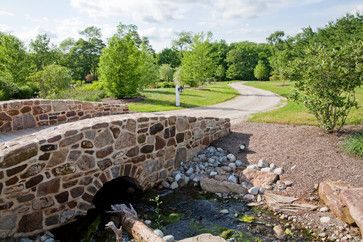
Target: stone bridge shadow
(49,178)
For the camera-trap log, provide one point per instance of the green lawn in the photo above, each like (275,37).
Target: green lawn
(296,113)
(163,99)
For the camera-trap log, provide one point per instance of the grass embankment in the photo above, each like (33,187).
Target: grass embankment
(354,145)
(296,113)
(163,99)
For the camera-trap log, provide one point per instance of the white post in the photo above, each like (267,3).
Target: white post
(177,96)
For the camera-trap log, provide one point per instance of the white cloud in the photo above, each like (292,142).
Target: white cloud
(143,10)
(5,13)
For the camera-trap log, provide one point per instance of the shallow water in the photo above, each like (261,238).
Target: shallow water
(184,213)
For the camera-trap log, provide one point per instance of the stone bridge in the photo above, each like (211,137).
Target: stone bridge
(31,113)
(50,177)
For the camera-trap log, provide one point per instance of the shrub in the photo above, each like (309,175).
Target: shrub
(166,73)
(325,81)
(261,71)
(52,80)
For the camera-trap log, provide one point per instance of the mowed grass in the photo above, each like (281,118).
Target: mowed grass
(354,145)
(296,113)
(163,99)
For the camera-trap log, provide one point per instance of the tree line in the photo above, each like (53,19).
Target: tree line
(325,65)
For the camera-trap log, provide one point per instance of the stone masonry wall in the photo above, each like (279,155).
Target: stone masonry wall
(22,114)
(49,178)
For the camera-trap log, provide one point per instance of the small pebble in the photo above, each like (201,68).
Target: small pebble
(231,157)
(224,211)
(253,190)
(159,233)
(324,209)
(169,238)
(324,220)
(279,171)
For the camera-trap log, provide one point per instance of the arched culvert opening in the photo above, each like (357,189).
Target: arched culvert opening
(120,190)
(92,226)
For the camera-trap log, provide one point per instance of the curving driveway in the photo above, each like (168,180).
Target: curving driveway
(250,100)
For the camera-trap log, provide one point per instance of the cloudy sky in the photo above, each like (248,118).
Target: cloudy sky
(160,20)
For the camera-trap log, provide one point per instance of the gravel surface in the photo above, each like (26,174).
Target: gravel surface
(308,155)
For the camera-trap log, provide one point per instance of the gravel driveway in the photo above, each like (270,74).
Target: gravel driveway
(249,101)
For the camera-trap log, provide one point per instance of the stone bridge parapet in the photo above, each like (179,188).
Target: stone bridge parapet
(31,113)
(49,178)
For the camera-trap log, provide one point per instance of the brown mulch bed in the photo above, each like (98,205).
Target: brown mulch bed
(316,156)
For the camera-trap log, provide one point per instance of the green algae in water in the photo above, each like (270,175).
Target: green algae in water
(239,236)
(247,219)
(173,218)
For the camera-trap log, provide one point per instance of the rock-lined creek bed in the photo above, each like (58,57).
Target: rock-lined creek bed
(218,194)
(187,212)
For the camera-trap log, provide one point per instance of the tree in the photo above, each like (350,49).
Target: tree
(260,71)
(183,41)
(219,52)
(42,51)
(169,56)
(243,57)
(126,66)
(326,79)
(166,73)
(220,73)
(52,79)
(14,60)
(198,66)
(83,55)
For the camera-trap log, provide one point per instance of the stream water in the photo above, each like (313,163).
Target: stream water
(185,213)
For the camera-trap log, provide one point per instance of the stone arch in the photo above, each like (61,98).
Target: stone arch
(122,189)
(51,177)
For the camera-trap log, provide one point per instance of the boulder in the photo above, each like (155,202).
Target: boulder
(212,185)
(259,178)
(329,193)
(353,198)
(204,238)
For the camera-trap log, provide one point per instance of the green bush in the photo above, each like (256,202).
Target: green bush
(354,145)
(85,92)
(325,81)
(261,71)
(52,80)
(127,67)
(166,73)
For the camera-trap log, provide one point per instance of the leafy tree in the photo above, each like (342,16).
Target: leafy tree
(83,55)
(261,71)
(198,65)
(220,73)
(219,52)
(42,52)
(127,66)
(183,42)
(326,80)
(169,56)
(52,80)
(66,45)
(14,60)
(166,73)
(243,57)
(177,76)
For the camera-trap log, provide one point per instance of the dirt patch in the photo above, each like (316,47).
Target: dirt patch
(308,155)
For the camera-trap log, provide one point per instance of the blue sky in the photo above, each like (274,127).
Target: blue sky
(160,20)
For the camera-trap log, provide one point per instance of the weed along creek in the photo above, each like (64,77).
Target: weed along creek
(179,208)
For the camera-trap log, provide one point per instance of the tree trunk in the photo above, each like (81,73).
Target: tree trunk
(138,230)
